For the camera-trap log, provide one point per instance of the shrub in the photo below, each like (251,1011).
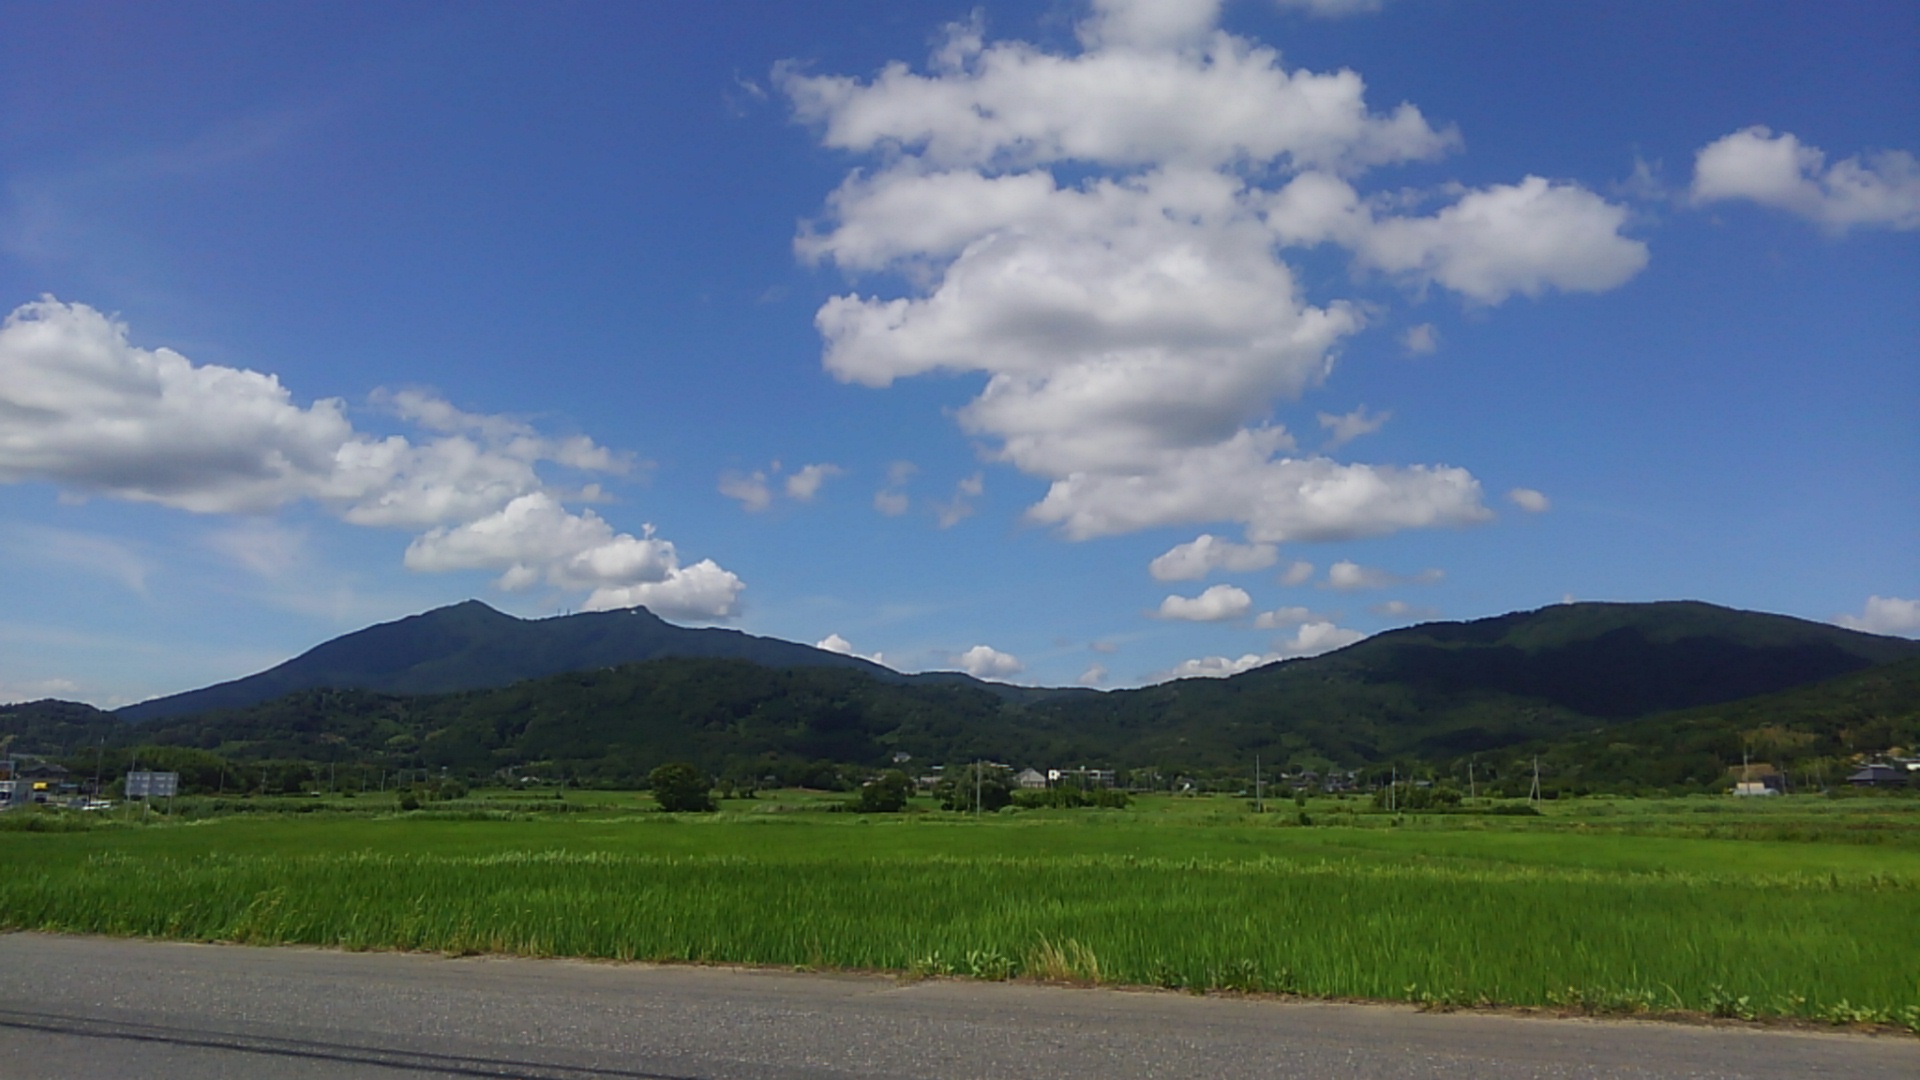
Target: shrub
(1408,796)
(957,787)
(1070,798)
(887,794)
(678,786)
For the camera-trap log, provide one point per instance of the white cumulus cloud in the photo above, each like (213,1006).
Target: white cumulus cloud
(755,490)
(1278,499)
(834,643)
(1153,85)
(535,539)
(84,408)
(1214,606)
(1521,238)
(1220,667)
(1533,502)
(1315,638)
(1149,22)
(1095,675)
(750,489)
(803,485)
(1102,235)
(1217,604)
(1280,618)
(1298,572)
(1884,615)
(1206,553)
(987,662)
(1311,639)
(702,592)
(1879,190)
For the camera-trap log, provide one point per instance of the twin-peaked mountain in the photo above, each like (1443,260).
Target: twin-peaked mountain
(470,688)
(470,646)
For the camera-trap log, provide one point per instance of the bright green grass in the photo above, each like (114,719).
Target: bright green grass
(1574,908)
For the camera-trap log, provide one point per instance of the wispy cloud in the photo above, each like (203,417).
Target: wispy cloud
(87,552)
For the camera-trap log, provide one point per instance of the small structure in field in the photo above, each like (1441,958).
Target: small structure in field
(1758,779)
(13,790)
(1083,778)
(1879,775)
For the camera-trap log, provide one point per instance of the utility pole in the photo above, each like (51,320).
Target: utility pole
(1393,791)
(1259,802)
(977,786)
(1470,788)
(1533,796)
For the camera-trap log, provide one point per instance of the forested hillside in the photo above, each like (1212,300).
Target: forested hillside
(470,646)
(1660,694)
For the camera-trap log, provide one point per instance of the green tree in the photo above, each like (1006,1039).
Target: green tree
(887,794)
(678,786)
(993,784)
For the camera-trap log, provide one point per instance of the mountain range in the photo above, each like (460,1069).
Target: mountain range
(609,694)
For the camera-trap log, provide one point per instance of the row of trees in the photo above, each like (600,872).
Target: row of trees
(681,787)
(967,787)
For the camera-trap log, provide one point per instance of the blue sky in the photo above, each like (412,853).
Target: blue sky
(1061,342)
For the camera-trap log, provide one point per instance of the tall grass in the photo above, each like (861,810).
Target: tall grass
(1805,944)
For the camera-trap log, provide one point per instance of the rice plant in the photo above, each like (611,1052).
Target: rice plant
(1601,924)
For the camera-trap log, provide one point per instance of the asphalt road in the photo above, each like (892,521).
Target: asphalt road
(105,1009)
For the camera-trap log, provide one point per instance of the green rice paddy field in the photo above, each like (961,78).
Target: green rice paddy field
(1798,907)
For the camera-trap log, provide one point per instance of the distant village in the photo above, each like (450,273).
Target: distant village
(27,781)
